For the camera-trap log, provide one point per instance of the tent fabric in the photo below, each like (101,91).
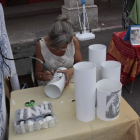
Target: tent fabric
(135,12)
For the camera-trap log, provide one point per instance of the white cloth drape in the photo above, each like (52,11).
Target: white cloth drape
(4,70)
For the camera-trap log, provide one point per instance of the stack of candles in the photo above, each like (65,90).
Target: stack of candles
(101,75)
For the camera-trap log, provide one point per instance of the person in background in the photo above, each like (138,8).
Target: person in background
(59,49)
(135,13)
(127,6)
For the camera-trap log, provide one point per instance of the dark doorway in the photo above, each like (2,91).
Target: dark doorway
(16,2)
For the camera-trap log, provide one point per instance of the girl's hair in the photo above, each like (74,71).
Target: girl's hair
(61,32)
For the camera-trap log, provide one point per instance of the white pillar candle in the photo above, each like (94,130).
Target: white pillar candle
(55,87)
(14,81)
(111,70)
(108,99)
(98,75)
(97,54)
(85,86)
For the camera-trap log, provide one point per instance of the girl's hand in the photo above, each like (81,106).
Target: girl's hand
(68,73)
(46,75)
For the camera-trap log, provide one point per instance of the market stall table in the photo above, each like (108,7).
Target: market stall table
(125,127)
(127,55)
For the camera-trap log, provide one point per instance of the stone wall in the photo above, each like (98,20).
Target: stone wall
(70,9)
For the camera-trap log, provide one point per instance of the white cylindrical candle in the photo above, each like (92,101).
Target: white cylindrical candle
(108,99)
(85,86)
(55,87)
(98,75)
(14,81)
(111,70)
(97,54)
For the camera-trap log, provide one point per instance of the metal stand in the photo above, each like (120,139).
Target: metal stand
(84,34)
(131,89)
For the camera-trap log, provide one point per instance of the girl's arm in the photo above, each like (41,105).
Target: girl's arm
(40,74)
(77,56)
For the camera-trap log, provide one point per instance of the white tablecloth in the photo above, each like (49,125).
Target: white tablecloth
(125,127)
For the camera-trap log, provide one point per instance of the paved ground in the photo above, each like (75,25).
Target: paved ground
(25,29)
(134,98)
(27,23)
(110,14)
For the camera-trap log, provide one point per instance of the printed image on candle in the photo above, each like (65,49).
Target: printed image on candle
(56,85)
(135,36)
(112,105)
(56,77)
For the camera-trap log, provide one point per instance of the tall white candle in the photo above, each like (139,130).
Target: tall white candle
(55,87)
(97,55)
(111,70)
(108,99)
(14,81)
(85,86)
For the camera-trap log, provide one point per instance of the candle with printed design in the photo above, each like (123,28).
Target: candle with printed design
(55,87)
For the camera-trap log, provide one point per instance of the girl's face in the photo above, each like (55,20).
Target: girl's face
(61,48)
